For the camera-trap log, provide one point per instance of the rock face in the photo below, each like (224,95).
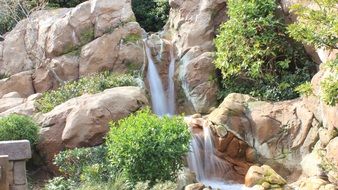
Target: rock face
(191,28)
(63,44)
(83,121)
(283,132)
(296,137)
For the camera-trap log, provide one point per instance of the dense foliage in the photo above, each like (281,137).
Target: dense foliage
(18,127)
(329,85)
(255,54)
(151,14)
(90,84)
(82,163)
(147,147)
(319,28)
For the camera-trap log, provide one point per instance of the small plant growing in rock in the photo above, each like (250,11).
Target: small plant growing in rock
(147,147)
(304,89)
(18,127)
(4,75)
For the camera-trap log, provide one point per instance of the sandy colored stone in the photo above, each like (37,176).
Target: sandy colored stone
(20,83)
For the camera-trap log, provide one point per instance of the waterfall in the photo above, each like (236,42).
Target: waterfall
(171,84)
(207,166)
(161,103)
(158,97)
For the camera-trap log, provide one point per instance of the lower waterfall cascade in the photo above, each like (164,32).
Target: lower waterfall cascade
(207,166)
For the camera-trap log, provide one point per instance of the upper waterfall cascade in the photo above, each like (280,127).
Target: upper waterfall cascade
(162,104)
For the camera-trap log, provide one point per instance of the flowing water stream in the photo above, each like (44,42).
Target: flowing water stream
(158,97)
(201,159)
(162,104)
(207,166)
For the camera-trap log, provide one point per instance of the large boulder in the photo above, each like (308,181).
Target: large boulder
(83,121)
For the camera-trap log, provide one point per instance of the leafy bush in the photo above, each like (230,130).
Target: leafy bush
(18,127)
(146,147)
(60,183)
(84,164)
(151,14)
(318,27)
(119,182)
(304,89)
(255,54)
(91,84)
(330,90)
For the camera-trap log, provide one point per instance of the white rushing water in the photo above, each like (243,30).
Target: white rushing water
(162,104)
(206,165)
(158,98)
(171,84)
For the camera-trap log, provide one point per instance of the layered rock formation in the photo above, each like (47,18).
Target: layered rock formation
(54,46)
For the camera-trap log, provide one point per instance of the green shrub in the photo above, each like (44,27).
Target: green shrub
(60,183)
(91,84)
(147,147)
(330,90)
(119,182)
(304,89)
(151,14)
(255,54)
(318,27)
(18,127)
(84,164)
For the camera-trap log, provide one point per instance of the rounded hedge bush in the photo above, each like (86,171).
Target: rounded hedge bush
(147,147)
(18,127)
